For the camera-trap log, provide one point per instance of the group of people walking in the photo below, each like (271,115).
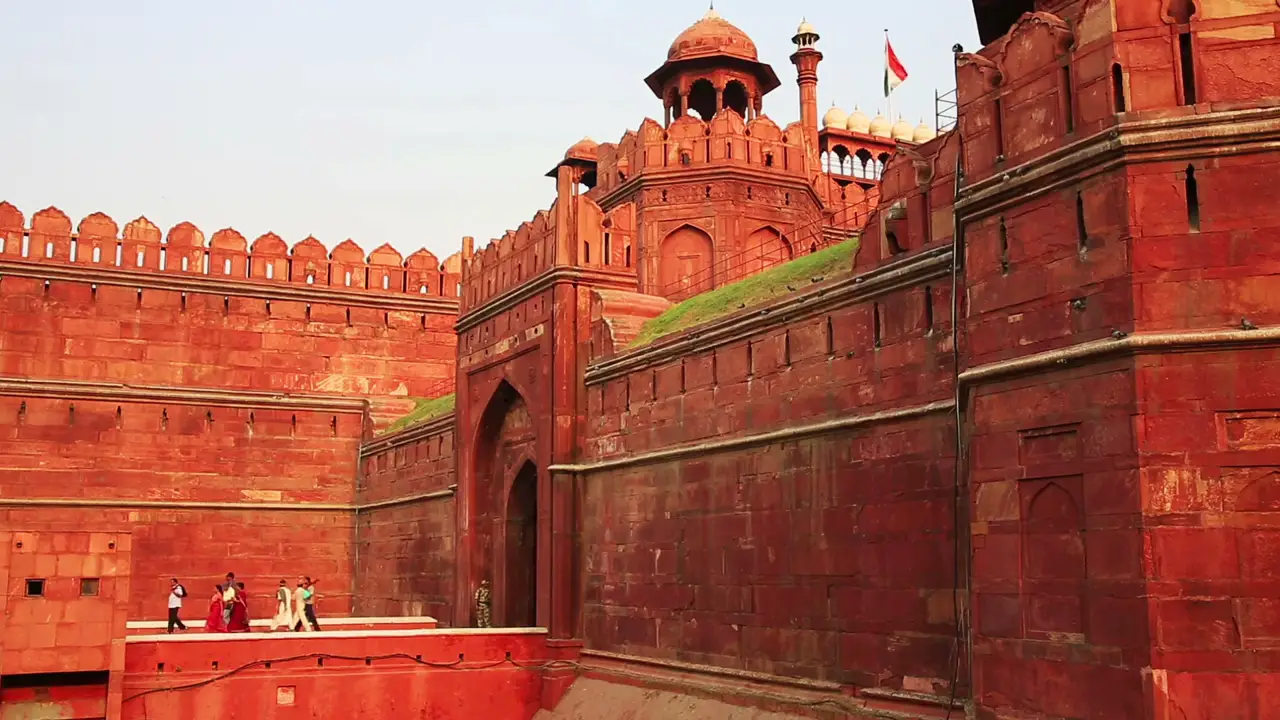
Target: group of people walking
(229,607)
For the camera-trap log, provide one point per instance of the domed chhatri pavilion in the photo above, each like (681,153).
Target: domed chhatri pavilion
(717,190)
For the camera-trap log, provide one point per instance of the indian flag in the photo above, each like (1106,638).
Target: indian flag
(894,72)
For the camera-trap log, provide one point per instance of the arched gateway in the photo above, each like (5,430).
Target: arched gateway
(506,507)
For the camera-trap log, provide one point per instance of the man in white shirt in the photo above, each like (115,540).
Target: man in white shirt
(176,593)
(228,597)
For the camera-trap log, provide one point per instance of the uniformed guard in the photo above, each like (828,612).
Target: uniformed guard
(483,603)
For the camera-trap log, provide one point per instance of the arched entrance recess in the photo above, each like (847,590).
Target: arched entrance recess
(506,507)
(684,263)
(521,560)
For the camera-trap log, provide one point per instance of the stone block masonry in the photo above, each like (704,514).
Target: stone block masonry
(209,396)
(404,546)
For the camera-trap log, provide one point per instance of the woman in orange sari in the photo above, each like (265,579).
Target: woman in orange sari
(214,622)
(239,612)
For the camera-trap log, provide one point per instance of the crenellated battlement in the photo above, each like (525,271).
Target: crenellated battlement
(689,142)
(98,242)
(601,240)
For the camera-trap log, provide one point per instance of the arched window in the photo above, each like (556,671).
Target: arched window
(702,99)
(735,97)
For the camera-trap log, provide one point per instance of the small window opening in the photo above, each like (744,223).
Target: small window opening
(751,359)
(786,348)
(999,128)
(271,267)
(89,587)
(875,324)
(97,255)
(586,252)
(293,425)
(226,266)
(928,309)
(386,282)
(1068,99)
(831,338)
(184,264)
(348,278)
(1082,231)
(1193,200)
(626,252)
(333,426)
(1117,87)
(682,376)
(1004,248)
(892,239)
(48,250)
(608,248)
(164,420)
(71,414)
(1187,60)
(142,255)
(35,587)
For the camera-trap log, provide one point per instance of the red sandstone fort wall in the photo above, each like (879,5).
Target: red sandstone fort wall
(1120,407)
(405,546)
(207,488)
(775,491)
(210,395)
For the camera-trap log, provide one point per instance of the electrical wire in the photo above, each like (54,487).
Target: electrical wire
(840,703)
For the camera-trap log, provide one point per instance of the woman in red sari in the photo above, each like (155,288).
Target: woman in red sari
(239,612)
(214,622)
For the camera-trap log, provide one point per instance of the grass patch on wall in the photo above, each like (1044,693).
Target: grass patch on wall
(424,410)
(775,282)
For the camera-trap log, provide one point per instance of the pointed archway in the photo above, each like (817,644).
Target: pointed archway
(504,549)
(521,558)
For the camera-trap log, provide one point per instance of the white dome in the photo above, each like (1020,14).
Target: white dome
(835,118)
(858,122)
(923,133)
(902,130)
(880,126)
(806,28)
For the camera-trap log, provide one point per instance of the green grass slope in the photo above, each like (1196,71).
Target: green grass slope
(775,282)
(423,410)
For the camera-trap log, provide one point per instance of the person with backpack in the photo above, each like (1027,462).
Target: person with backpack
(176,593)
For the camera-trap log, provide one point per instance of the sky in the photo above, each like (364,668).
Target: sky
(413,123)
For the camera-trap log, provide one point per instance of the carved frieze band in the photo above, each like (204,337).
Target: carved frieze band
(789,434)
(78,390)
(905,273)
(653,181)
(212,285)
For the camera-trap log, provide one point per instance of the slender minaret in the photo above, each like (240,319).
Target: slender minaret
(806,59)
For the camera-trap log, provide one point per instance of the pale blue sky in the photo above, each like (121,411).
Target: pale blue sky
(401,122)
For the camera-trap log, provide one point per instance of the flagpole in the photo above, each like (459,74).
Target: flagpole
(888,91)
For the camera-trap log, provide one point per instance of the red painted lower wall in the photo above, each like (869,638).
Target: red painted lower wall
(435,674)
